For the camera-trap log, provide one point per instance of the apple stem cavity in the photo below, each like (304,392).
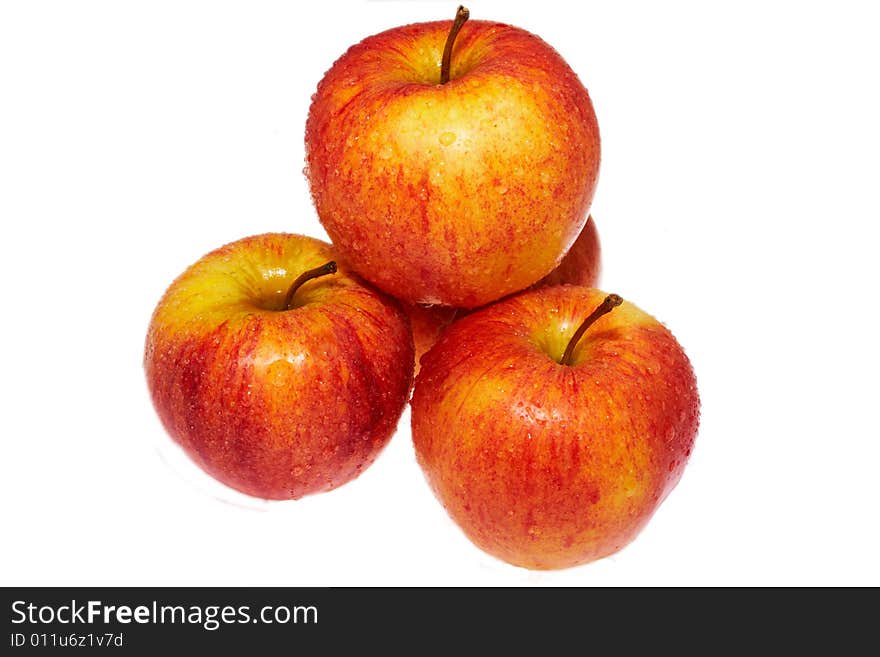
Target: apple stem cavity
(323,270)
(461,16)
(608,304)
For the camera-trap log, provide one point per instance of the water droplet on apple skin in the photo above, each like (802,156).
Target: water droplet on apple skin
(448,138)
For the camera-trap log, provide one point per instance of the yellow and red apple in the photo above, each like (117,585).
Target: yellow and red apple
(551,432)
(277,382)
(460,191)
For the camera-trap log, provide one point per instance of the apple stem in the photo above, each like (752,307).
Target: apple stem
(323,270)
(461,15)
(610,303)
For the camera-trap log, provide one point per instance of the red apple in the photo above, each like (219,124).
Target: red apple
(276,382)
(551,446)
(457,192)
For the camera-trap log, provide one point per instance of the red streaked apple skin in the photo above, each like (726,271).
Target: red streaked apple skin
(428,324)
(580,266)
(454,194)
(544,465)
(277,404)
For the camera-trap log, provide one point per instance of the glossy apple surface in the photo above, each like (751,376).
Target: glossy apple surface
(582,265)
(458,193)
(547,465)
(277,403)
(428,324)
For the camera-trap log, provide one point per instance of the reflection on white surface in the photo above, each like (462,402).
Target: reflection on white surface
(173,456)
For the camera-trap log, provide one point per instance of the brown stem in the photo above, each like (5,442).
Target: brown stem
(323,270)
(610,303)
(446,63)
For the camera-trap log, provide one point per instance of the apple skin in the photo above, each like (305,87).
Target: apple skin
(277,404)
(428,324)
(582,265)
(545,465)
(455,194)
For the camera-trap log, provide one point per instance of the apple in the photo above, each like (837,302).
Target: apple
(583,262)
(428,324)
(552,424)
(456,179)
(276,369)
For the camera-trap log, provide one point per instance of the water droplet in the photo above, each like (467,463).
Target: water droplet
(278,373)
(448,138)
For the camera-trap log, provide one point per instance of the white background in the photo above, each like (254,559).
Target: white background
(738,202)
